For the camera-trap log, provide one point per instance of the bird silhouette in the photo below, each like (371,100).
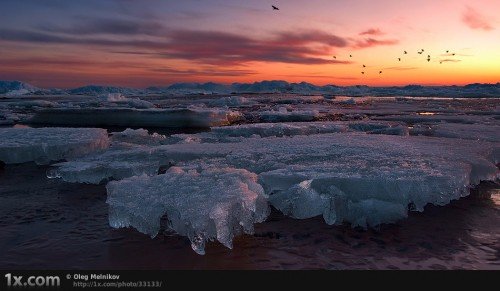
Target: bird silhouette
(447,51)
(380,72)
(428,59)
(422,50)
(350,56)
(275,8)
(363,73)
(399,59)
(364,66)
(419,53)
(453,54)
(405,52)
(441,62)
(334,57)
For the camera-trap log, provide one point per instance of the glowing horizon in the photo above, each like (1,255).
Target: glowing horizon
(138,44)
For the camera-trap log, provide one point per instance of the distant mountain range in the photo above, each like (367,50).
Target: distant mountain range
(14,88)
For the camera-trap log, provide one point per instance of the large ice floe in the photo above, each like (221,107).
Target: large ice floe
(202,204)
(183,117)
(364,162)
(43,145)
(215,190)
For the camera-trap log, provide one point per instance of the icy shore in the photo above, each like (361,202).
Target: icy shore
(363,163)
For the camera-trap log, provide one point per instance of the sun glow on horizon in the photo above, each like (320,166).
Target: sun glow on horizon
(161,42)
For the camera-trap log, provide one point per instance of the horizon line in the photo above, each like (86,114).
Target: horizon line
(254,82)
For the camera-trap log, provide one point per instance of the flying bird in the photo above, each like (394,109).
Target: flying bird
(453,54)
(350,56)
(275,8)
(380,72)
(405,52)
(447,51)
(363,73)
(422,50)
(419,53)
(399,59)
(334,57)
(364,66)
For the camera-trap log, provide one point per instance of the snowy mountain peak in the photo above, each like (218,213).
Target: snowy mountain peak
(16,88)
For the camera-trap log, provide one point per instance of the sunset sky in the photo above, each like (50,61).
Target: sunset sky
(158,42)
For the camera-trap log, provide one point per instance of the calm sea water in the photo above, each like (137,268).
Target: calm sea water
(52,224)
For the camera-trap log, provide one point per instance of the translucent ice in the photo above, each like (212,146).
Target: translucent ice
(122,160)
(357,178)
(43,145)
(204,204)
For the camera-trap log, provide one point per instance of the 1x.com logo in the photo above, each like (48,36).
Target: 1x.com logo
(32,281)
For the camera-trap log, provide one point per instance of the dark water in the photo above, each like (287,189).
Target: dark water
(51,224)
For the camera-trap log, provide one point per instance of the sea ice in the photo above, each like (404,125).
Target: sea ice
(487,132)
(33,104)
(231,101)
(379,128)
(138,136)
(278,129)
(43,145)
(117,163)
(131,102)
(284,115)
(203,204)
(352,177)
(190,117)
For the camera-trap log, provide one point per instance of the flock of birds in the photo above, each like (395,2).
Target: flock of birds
(421,51)
(405,53)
